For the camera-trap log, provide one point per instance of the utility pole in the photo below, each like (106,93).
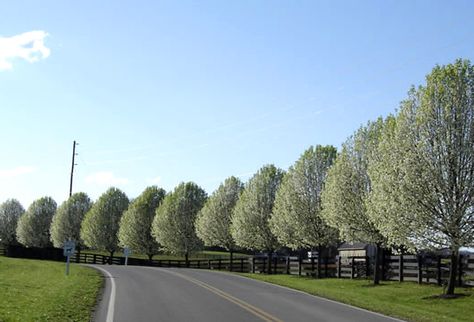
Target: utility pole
(72,167)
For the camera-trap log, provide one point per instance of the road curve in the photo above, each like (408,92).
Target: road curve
(171,294)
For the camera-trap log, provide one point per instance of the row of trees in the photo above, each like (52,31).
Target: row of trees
(406,181)
(273,209)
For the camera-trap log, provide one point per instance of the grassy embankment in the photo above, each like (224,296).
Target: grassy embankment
(407,300)
(34,290)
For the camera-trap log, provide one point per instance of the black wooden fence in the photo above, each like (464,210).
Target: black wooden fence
(421,269)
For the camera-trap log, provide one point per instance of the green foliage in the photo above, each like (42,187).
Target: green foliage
(423,180)
(135,225)
(10,212)
(250,222)
(348,187)
(101,223)
(174,224)
(66,224)
(214,219)
(296,220)
(34,225)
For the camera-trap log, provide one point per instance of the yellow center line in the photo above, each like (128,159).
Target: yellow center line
(265,316)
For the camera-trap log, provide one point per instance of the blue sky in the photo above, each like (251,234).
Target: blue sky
(160,92)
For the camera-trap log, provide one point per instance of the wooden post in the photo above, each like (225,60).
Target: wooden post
(400,268)
(209,264)
(312,265)
(420,270)
(241,265)
(438,270)
(264,265)
(460,267)
(219,264)
(320,250)
(275,260)
(367,266)
(352,268)
(326,267)
(287,265)
(300,263)
(339,266)
(253,265)
(383,265)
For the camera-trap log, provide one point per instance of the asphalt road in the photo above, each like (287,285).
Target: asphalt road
(173,294)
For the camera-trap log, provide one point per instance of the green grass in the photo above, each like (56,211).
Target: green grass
(34,290)
(199,255)
(407,300)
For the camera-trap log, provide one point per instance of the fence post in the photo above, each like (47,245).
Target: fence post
(219,264)
(264,265)
(339,266)
(253,265)
(438,270)
(287,265)
(367,266)
(209,263)
(383,264)
(400,268)
(420,270)
(326,267)
(460,270)
(300,263)
(352,267)
(94,259)
(312,265)
(241,265)
(275,260)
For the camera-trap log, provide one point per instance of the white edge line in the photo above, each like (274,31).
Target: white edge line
(305,293)
(111,306)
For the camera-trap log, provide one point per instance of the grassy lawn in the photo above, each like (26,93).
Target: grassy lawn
(199,255)
(407,300)
(34,290)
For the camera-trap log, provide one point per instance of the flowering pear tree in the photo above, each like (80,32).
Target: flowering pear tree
(10,212)
(34,225)
(135,225)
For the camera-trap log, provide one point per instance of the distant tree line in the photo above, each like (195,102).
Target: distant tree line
(405,181)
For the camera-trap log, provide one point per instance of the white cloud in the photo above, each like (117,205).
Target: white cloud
(105,178)
(155,181)
(28,46)
(17,171)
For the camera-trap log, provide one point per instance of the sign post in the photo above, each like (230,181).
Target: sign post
(126,252)
(69,248)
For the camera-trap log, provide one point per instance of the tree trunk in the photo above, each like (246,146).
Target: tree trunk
(377,265)
(452,272)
